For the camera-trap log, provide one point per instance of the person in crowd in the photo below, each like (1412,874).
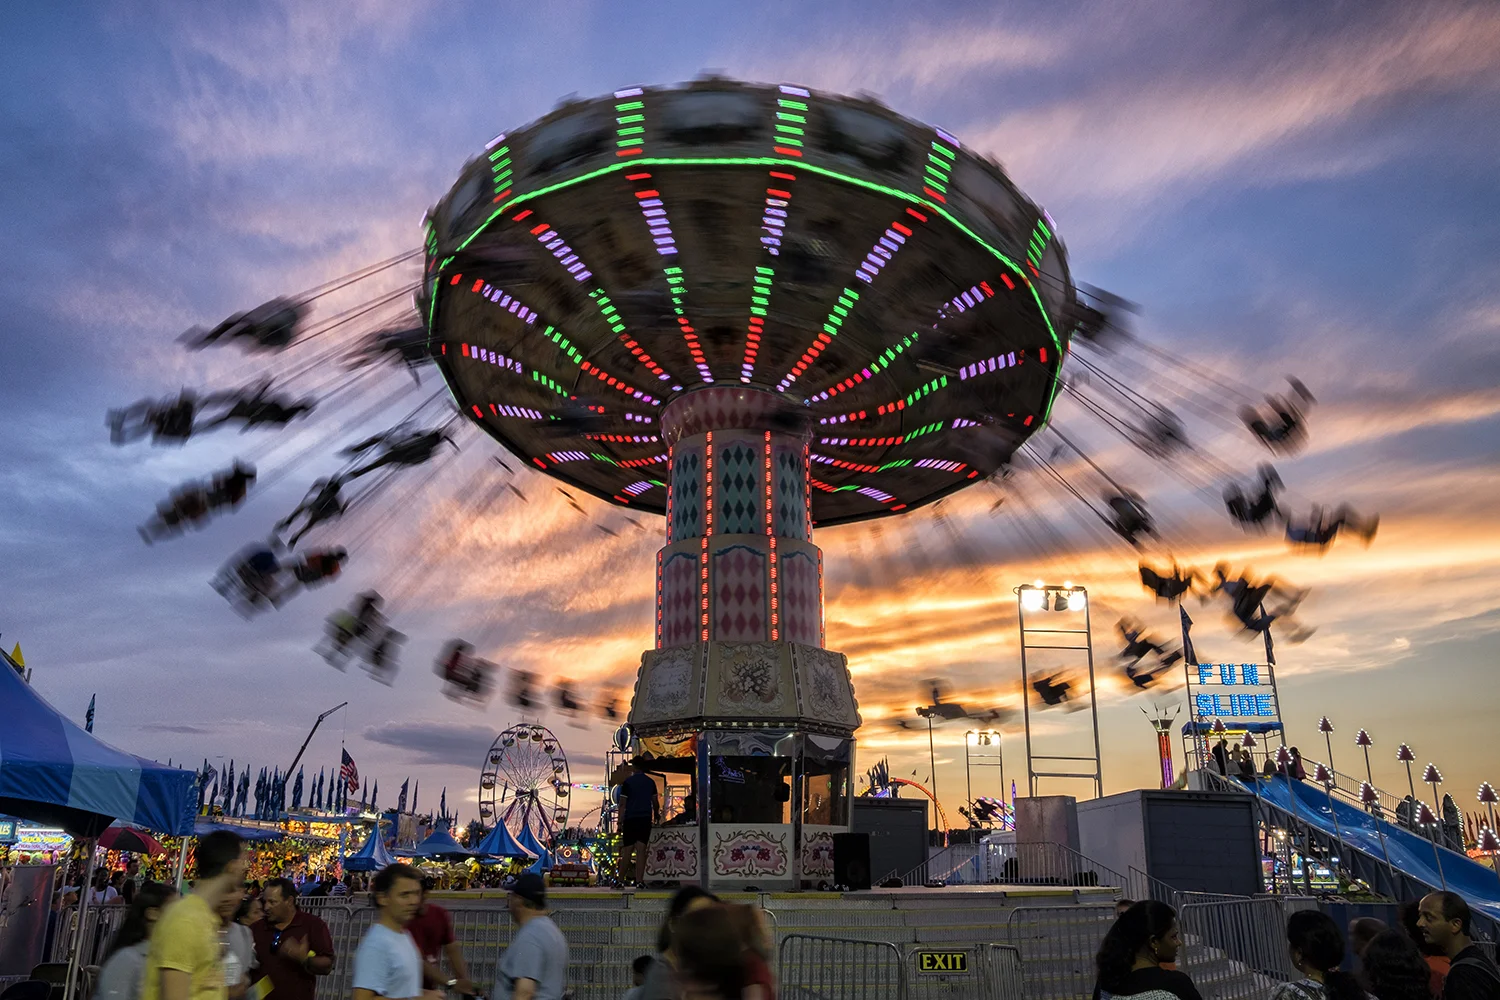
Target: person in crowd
(432,929)
(1244,764)
(185,959)
(1317,950)
(1393,968)
(1437,961)
(1444,919)
(292,947)
(535,965)
(1221,756)
(101,891)
(387,963)
(125,964)
(760,949)
(661,978)
(132,881)
(340,887)
(250,909)
(239,945)
(710,955)
(640,807)
(1362,930)
(638,969)
(1130,958)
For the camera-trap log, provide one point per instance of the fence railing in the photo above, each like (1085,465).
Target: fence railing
(821,968)
(1235,949)
(1056,946)
(100,925)
(1046,864)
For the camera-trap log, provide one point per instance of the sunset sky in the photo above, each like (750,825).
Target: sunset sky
(1283,189)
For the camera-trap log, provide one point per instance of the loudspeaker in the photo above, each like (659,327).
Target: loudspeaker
(851,860)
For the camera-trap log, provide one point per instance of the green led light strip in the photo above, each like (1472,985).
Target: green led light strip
(787,163)
(938,167)
(500,170)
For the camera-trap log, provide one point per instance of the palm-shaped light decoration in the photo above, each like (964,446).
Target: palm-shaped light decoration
(1371,799)
(1324,776)
(1488,839)
(1488,796)
(1405,755)
(1433,777)
(1326,728)
(1363,741)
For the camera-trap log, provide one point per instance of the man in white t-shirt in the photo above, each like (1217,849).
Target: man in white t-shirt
(388,964)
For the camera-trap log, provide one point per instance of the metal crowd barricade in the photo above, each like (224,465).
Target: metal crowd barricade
(598,967)
(1057,945)
(1003,976)
(100,925)
(821,968)
(1235,949)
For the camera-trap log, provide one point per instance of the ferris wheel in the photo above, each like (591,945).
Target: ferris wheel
(525,782)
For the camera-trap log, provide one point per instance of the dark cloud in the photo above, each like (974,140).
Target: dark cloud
(436,742)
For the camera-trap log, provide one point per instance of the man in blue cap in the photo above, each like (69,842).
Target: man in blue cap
(535,966)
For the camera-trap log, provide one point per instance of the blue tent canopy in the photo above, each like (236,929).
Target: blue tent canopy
(441,845)
(372,857)
(203,827)
(542,864)
(51,771)
(528,840)
(501,843)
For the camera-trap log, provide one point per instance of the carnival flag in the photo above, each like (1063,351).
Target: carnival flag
(1188,653)
(414,790)
(297,790)
(348,771)
(88,717)
(401,799)
(443,803)
(374,794)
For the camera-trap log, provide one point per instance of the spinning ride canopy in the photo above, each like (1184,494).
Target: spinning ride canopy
(892,296)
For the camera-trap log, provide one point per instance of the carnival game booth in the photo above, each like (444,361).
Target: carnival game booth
(53,772)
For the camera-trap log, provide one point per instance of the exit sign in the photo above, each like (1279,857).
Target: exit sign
(942,961)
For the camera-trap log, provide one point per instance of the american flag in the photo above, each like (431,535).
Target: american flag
(349,773)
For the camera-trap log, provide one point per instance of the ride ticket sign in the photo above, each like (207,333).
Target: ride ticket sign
(1240,691)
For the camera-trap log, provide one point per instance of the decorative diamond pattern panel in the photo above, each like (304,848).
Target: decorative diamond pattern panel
(739,582)
(738,501)
(789,495)
(679,600)
(801,603)
(687,494)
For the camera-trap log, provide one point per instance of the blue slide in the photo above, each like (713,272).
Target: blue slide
(1408,852)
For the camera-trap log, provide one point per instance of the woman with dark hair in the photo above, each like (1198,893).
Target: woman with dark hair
(125,964)
(1130,958)
(1395,969)
(710,955)
(661,977)
(1317,948)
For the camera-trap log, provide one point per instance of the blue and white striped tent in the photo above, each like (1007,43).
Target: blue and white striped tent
(51,771)
(372,857)
(501,843)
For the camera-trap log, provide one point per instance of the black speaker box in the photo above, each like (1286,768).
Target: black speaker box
(851,860)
